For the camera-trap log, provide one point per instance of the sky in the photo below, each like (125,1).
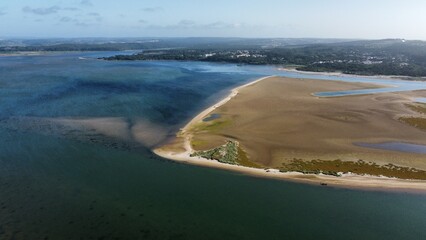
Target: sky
(361,19)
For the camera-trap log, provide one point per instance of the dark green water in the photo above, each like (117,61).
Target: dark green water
(60,182)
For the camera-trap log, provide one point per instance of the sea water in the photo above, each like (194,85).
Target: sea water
(75,162)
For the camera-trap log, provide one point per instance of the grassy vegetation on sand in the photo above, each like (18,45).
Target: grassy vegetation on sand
(418,122)
(360,167)
(231,153)
(212,126)
(419,107)
(227,153)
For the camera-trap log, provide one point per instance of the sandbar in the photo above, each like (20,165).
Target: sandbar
(277,119)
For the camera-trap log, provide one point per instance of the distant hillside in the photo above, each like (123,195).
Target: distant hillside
(364,57)
(382,57)
(367,57)
(117,44)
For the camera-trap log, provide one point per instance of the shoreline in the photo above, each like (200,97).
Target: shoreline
(341,74)
(35,53)
(351,181)
(346,181)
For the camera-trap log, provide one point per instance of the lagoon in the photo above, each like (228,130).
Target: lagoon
(68,179)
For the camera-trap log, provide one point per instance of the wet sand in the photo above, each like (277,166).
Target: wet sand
(341,74)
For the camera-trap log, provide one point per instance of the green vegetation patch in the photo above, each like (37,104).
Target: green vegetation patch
(227,153)
(360,167)
(212,126)
(198,143)
(420,107)
(417,122)
(243,159)
(230,153)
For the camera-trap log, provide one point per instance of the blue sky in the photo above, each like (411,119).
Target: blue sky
(371,19)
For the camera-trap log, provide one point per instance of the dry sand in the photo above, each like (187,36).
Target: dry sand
(278,119)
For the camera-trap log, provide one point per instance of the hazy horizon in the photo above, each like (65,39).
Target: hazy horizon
(189,18)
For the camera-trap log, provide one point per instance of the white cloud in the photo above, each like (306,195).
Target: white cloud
(186,23)
(66,19)
(71,9)
(41,11)
(93,14)
(152,9)
(190,24)
(87,3)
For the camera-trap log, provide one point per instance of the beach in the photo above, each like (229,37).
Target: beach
(262,148)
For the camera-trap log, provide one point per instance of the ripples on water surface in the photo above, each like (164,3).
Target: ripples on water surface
(75,163)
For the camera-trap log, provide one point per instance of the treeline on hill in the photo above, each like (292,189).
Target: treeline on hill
(381,57)
(118,44)
(82,47)
(368,57)
(362,69)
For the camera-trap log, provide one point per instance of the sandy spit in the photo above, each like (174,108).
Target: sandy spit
(348,180)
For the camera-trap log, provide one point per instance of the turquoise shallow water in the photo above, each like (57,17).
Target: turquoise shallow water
(75,181)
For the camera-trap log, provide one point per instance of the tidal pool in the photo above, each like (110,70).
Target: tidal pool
(396,146)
